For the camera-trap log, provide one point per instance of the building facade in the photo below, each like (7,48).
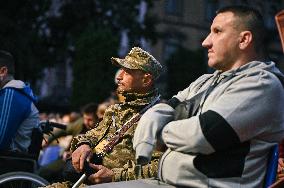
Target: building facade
(186,23)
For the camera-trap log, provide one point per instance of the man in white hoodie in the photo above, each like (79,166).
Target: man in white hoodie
(18,114)
(220,129)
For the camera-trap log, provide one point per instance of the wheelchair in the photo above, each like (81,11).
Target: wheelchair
(18,169)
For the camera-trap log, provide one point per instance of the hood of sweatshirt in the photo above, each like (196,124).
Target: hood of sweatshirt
(255,66)
(22,87)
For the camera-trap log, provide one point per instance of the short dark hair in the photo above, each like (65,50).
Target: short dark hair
(252,20)
(90,108)
(7,60)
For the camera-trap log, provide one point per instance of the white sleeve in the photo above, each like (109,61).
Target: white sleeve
(149,126)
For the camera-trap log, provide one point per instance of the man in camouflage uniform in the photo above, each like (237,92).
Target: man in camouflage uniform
(136,83)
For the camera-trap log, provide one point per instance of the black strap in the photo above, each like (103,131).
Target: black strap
(190,107)
(173,102)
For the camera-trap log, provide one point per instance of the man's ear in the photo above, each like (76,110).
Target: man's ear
(245,39)
(147,79)
(3,71)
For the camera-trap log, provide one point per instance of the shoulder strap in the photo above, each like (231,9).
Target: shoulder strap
(111,141)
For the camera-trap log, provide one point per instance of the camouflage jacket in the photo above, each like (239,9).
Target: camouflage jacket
(121,160)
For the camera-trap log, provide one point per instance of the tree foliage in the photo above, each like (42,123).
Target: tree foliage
(19,34)
(184,66)
(41,33)
(88,31)
(93,71)
(75,16)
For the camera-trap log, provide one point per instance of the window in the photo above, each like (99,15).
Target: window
(211,7)
(174,7)
(170,47)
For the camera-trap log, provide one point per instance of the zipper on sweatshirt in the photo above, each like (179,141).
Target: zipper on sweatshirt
(218,79)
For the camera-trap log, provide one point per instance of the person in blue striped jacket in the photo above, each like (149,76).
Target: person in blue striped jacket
(18,113)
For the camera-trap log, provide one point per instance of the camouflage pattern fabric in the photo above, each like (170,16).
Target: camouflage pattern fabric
(122,158)
(62,185)
(138,58)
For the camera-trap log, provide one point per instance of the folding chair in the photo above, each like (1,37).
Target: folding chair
(272,165)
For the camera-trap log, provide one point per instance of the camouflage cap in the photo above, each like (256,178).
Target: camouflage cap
(138,58)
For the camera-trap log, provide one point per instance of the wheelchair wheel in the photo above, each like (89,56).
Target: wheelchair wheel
(21,180)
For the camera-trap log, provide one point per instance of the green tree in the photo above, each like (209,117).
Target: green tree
(93,71)
(184,66)
(41,33)
(75,16)
(88,33)
(20,23)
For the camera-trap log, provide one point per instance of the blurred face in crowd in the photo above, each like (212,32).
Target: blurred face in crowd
(101,110)
(129,80)
(90,120)
(223,42)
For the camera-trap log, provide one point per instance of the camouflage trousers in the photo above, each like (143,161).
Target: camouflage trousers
(65,184)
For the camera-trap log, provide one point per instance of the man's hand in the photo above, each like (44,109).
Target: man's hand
(103,174)
(280,170)
(44,143)
(82,153)
(66,155)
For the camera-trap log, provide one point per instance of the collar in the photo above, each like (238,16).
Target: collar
(141,99)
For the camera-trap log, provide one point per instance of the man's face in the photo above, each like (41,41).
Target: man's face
(129,80)
(223,42)
(89,120)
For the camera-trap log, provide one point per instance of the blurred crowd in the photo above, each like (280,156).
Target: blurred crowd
(56,146)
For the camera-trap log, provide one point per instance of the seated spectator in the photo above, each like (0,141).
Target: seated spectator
(19,114)
(53,170)
(136,81)
(80,125)
(219,130)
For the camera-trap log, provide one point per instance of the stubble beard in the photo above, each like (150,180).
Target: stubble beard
(123,90)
